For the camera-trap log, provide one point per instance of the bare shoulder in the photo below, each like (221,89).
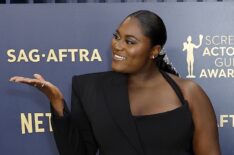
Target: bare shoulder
(205,138)
(192,92)
(186,85)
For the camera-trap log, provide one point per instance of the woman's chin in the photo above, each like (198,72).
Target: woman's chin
(118,69)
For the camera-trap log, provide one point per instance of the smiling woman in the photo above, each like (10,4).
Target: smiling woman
(140,108)
(131,48)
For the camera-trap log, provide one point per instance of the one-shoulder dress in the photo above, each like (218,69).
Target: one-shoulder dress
(100,121)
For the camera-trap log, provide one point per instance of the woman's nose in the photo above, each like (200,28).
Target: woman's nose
(118,45)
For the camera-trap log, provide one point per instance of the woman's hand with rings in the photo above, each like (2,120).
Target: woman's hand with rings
(38,81)
(51,91)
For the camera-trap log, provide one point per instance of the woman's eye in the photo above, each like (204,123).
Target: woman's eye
(130,42)
(116,36)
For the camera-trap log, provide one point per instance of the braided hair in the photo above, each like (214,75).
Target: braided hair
(154,28)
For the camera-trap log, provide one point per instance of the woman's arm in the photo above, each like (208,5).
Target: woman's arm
(72,131)
(206,140)
(51,91)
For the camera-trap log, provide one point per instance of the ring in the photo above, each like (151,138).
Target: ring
(43,84)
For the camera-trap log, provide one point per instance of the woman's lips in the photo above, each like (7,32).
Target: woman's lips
(118,57)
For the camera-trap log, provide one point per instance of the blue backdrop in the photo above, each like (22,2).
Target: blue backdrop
(59,41)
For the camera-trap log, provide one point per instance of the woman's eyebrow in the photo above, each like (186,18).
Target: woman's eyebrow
(127,35)
(117,31)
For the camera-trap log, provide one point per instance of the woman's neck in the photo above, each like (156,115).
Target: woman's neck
(144,78)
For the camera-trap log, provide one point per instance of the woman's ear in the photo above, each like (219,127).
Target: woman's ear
(155,51)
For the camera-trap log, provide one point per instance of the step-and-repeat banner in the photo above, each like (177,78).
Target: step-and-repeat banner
(59,41)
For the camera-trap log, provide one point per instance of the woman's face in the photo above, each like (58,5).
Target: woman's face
(131,49)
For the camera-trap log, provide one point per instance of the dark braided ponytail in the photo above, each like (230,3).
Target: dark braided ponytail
(154,28)
(164,65)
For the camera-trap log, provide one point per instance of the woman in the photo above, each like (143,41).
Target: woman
(136,109)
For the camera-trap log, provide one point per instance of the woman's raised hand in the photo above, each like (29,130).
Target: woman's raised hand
(51,91)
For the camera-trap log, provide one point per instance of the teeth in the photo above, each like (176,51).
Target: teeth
(118,57)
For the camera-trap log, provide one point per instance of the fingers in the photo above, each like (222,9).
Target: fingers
(20,79)
(42,82)
(38,81)
(50,90)
(39,77)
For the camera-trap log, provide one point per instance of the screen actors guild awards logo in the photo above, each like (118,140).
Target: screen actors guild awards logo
(189,47)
